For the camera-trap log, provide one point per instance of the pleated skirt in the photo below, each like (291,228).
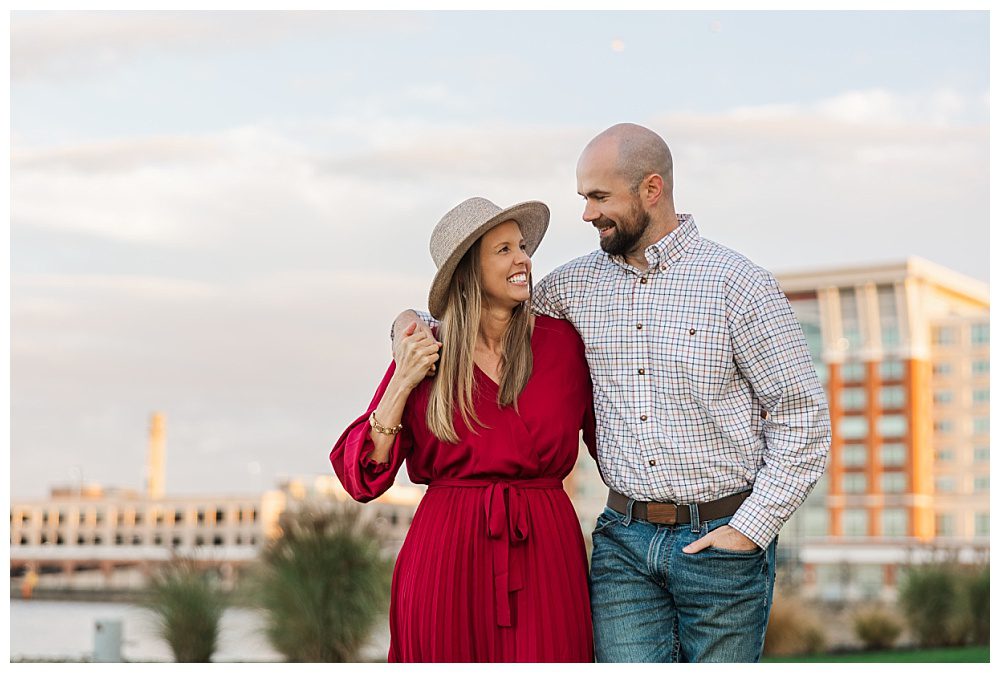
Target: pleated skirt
(444,599)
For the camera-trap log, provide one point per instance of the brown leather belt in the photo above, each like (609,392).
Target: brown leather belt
(670,513)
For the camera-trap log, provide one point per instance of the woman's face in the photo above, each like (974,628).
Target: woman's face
(506,267)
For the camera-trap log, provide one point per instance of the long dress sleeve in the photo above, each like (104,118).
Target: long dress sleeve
(362,477)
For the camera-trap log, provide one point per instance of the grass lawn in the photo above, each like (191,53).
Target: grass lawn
(944,655)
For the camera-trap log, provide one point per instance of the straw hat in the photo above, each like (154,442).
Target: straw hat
(464,224)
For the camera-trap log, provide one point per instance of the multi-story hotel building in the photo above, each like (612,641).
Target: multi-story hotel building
(903,351)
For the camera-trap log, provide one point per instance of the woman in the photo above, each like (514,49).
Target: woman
(493,567)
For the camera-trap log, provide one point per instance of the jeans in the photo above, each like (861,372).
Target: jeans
(651,602)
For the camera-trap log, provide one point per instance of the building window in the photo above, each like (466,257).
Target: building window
(892,397)
(853,338)
(220,516)
(981,425)
(853,372)
(892,426)
(80,539)
(981,333)
(893,482)
(943,427)
(178,516)
(119,539)
(852,399)
(944,484)
(980,367)
(890,336)
(981,454)
(136,539)
(943,396)
(942,369)
(217,541)
(981,395)
(199,541)
(82,518)
(201,517)
(944,455)
(159,518)
(855,455)
(944,525)
(853,427)
(894,522)
(121,518)
(982,523)
(855,482)
(855,522)
(175,542)
(943,336)
(817,521)
(893,455)
(253,514)
(138,518)
(981,484)
(158,540)
(890,370)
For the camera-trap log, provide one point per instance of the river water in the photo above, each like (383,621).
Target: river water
(42,629)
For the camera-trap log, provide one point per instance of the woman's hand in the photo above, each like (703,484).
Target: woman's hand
(417,354)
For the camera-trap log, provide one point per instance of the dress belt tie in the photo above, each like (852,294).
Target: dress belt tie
(507,526)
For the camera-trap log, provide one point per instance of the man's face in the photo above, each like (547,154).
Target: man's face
(611,206)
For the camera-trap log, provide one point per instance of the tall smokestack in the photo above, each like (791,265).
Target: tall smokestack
(155,473)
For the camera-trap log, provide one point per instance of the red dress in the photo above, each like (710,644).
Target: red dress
(493,568)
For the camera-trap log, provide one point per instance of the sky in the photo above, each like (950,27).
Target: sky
(217,215)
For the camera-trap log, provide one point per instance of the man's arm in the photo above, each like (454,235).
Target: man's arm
(771,353)
(424,321)
(546,298)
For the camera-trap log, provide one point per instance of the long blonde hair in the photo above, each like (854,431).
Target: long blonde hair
(455,383)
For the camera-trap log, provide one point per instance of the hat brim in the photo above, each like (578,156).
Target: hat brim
(533,219)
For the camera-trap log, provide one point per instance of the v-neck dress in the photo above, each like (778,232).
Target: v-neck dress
(493,568)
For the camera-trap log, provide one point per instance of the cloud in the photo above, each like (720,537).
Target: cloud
(881,107)
(63,44)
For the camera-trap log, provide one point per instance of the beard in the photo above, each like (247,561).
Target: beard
(626,234)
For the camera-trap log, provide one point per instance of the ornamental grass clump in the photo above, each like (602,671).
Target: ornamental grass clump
(793,628)
(877,627)
(937,601)
(322,584)
(187,605)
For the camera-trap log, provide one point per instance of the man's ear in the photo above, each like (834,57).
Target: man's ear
(652,189)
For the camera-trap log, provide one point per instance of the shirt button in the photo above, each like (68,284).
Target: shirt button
(692,331)
(643,417)
(638,325)
(652,462)
(643,280)
(642,372)
(663,267)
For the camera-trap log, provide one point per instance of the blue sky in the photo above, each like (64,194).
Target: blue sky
(216,215)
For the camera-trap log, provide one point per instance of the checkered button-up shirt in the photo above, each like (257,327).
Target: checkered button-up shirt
(703,383)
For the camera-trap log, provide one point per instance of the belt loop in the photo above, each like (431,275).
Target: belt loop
(695,517)
(628,512)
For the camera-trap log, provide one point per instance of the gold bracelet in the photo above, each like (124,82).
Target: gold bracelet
(381,429)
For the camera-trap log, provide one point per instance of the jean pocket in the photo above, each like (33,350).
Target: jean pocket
(607,518)
(734,552)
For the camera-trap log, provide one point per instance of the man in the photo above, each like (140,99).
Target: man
(712,426)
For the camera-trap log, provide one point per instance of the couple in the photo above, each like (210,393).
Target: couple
(700,405)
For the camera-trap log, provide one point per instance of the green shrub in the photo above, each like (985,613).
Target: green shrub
(187,605)
(877,628)
(978,593)
(935,601)
(793,629)
(322,584)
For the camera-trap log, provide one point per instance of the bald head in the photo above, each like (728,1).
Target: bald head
(640,152)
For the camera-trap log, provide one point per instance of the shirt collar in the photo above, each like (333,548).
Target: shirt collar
(669,249)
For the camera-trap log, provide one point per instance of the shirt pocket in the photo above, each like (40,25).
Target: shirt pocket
(695,359)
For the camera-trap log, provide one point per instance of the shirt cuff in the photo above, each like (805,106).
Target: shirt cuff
(756,523)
